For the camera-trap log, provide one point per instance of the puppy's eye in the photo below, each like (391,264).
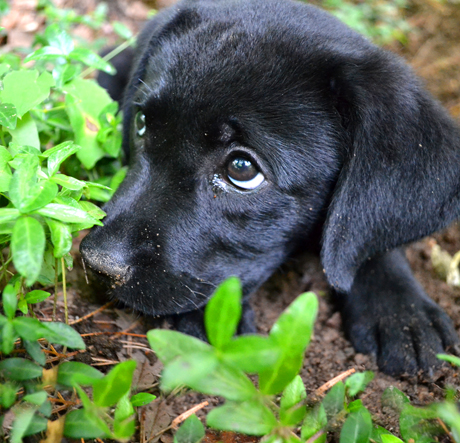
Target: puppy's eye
(242,173)
(139,120)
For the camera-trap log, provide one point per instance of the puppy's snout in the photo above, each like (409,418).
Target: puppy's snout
(109,264)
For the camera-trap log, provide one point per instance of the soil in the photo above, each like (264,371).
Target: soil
(113,334)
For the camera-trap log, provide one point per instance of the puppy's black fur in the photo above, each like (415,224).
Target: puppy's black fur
(357,159)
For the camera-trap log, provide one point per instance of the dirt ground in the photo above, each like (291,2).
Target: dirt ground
(113,334)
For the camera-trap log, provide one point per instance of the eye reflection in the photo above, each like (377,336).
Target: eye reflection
(242,173)
(139,120)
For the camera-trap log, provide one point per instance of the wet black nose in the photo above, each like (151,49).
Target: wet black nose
(105,259)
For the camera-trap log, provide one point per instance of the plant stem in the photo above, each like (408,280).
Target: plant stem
(56,282)
(64,291)
(110,55)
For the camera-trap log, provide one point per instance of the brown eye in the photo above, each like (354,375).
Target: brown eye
(139,120)
(242,173)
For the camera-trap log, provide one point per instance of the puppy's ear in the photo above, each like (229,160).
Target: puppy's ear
(400,179)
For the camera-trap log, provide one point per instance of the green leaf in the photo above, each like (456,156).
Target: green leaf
(8,392)
(334,400)
(9,336)
(25,89)
(8,214)
(452,359)
(74,373)
(188,369)
(24,180)
(292,407)
(22,306)
(67,214)
(37,424)
(45,53)
(388,438)
(37,398)
(171,344)
(142,399)
(46,409)
(10,301)
(417,424)
(82,423)
(29,328)
(19,369)
(107,391)
(204,373)
(251,353)
(191,431)
(34,349)
(40,195)
(118,178)
(85,101)
(91,59)
(92,209)
(68,182)
(36,296)
(357,427)
(21,422)
(26,132)
(28,247)
(223,312)
(292,332)
(58,154)
(25,192)
(63,334)
(395,399)
(96,192)
(122,30)
(58,38)
(61,237)
(250,417)
(8,115)
(5,171)
(124,424)
(315,421)
(378,432)
(358,382)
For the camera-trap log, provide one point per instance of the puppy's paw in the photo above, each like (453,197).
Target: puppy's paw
(405,335)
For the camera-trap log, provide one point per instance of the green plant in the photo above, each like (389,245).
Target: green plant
(220,368)
(382,21)
(279,409)
(25,384)
(57,129)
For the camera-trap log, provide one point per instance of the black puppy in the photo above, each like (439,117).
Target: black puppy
(256,128)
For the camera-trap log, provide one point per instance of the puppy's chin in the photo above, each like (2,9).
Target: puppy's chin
(155,293)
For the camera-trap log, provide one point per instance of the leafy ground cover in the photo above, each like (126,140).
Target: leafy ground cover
(112,335)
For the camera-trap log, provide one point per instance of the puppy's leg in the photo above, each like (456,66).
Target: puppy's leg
(388,314)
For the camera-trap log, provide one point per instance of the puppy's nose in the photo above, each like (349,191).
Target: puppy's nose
(110,264)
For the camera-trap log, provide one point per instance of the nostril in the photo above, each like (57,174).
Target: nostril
(111,264)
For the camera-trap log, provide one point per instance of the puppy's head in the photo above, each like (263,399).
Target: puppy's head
(248,129)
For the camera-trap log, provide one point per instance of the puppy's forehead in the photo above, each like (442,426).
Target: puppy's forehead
(211,49)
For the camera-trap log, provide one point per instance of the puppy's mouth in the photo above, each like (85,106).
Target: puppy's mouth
(150,290)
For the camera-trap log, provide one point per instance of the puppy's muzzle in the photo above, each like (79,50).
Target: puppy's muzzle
(108,265)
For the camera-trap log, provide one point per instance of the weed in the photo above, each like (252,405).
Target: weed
(279,409)
(55,126)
